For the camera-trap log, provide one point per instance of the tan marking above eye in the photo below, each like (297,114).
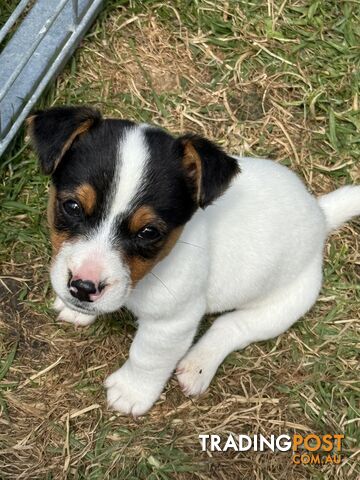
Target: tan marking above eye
(57,239)
(139,267)
(86,194)
(143,216)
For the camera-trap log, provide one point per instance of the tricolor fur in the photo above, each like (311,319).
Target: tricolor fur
(174,228)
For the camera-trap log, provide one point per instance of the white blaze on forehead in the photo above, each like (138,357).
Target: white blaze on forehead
(133,155)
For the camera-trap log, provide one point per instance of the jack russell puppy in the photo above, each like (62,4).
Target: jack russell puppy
(174,228)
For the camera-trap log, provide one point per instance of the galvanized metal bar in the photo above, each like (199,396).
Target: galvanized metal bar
(26,58)
(75,6)
(12,19)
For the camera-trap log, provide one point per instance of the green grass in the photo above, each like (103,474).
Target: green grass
(275,79)
(6,8)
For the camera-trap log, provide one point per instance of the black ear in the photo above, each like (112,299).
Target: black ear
(208,168)
(53,131)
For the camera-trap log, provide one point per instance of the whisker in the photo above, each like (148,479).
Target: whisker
(163,284)
(192,244)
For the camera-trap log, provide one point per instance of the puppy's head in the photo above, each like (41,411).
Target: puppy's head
(121,194)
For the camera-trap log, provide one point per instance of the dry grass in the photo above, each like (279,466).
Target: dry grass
(277,79)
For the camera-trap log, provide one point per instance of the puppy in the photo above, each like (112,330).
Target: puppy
(174,228)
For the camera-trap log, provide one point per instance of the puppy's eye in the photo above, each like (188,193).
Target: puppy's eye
(149,233)
(72,208)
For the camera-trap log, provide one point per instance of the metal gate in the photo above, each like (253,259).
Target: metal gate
(36,52)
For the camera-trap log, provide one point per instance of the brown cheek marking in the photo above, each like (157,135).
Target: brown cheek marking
(143,216)
(192,165)
(87,196)
(139,266)
(56,238)
(170,242)
(51,206)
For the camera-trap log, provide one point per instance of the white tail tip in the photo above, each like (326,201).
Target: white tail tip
(340,206)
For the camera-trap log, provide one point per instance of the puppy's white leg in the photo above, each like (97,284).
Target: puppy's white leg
(70,316)
(157,348)
(236,330)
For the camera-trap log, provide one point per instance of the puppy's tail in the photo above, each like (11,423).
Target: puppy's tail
(340,206)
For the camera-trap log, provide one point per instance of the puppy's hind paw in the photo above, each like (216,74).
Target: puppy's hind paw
(195,372)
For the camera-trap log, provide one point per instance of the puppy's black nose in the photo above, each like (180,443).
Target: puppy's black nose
(82,289)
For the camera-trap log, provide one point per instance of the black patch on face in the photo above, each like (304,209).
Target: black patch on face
(167,187)
(166,190)
(91,160)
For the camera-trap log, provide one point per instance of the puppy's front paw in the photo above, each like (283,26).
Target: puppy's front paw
(131,393)
(76,318)
(58,304)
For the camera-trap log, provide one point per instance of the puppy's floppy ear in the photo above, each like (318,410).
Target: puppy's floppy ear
(208,168)
(53,131)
